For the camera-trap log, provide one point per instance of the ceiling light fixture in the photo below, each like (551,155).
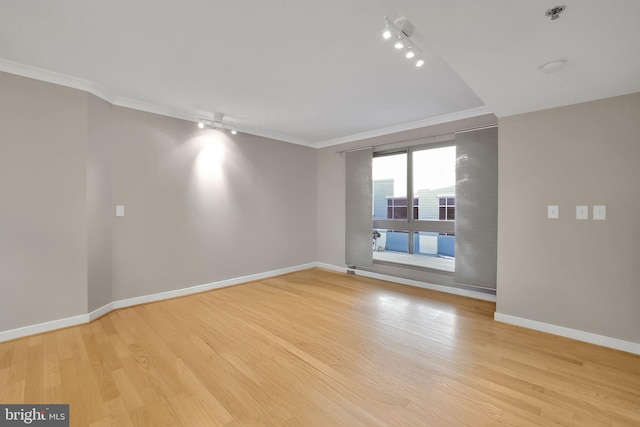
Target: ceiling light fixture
(217,123)
(402,30)
(386,32)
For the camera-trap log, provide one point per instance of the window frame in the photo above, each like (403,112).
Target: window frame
(410,224)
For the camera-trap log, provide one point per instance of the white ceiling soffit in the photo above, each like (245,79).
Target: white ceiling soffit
(318,73)
(499,46)
(302,72)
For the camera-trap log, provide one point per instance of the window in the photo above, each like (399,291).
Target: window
(426,236)
(397,208)
(451,192)
(447,209)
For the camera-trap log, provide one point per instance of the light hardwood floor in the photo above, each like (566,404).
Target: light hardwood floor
(317,348)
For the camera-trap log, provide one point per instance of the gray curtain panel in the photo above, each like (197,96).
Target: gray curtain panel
(359,226)
(477,207)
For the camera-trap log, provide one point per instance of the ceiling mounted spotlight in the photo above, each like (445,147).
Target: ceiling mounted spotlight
(401,31)
(217,123)
(554,13)
(386,32)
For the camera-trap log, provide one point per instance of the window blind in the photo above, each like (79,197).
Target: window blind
(358,204)
(477,207)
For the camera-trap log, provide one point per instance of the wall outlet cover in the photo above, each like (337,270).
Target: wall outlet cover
(553,212)
(600,212)
(582,212)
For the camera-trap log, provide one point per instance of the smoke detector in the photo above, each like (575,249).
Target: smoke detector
(554,13)
(553,66)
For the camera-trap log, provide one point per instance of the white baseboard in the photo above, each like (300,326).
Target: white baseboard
(425,285)
(331,267)
(86,318)
(97,313)
(207,287)
(575,334)
(40,328)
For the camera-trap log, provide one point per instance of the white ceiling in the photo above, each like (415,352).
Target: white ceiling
(318,73)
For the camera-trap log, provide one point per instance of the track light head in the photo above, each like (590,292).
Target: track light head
(401,31)
(387,31)
(217,123)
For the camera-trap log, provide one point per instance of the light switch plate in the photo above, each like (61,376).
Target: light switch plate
(600,212)
(582,212)
(119,210)
(553,212)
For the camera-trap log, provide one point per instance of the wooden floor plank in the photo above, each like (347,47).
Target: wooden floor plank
(317,348)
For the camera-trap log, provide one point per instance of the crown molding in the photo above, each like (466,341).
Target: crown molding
(276,136)
(446,118)
(103,93)
(161,110)
(195,115)
(56,78)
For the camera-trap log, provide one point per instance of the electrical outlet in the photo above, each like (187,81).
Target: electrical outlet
(553,212)
(600,212)
(582,212)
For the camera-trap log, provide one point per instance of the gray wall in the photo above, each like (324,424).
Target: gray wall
(43,203)
(100,208)
(203,205)
(577,274)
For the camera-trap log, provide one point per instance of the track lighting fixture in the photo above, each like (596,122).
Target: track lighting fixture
(217,123)
(386,33)
(401,31)
(399,44)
